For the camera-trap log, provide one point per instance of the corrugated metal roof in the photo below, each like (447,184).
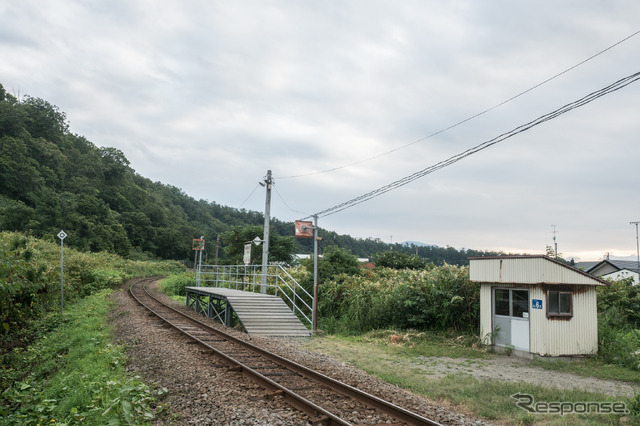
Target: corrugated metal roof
(528,269)
(631,265)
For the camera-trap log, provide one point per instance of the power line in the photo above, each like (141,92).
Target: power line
(285,203)
(466,119)
(449,161)
(254,190)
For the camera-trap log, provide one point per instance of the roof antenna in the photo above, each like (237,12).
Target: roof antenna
(555,243)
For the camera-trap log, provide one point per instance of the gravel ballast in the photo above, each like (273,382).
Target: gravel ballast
(201,389)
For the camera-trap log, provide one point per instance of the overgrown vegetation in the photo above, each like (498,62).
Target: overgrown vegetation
(72,373)
(619,324)
(30,280)
(174,285)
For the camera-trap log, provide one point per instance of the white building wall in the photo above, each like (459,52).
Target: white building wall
(622,274)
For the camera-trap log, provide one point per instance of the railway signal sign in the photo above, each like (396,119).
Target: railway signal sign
(62,235)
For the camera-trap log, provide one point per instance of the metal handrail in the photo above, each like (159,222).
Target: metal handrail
(248,278)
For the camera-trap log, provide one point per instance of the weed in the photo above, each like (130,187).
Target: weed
(74,374)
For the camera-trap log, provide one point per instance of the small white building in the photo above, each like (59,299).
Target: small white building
(537,305)
(615,270)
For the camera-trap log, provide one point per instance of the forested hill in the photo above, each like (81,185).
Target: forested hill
(52,179)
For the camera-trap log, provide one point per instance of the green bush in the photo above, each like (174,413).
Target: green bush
(619,324)
(438,298)
(175,284)
(30,278)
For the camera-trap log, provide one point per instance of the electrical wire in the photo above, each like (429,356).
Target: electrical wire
(466,119)
(623,82)
(285,203)
(254,190)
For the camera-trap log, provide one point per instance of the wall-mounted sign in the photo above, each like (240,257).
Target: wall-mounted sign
(536,304)
(247,253)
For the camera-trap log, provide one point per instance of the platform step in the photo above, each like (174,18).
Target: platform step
(260,314)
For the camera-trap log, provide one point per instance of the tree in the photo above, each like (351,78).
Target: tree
(399,260)
(334,262)
(281,248)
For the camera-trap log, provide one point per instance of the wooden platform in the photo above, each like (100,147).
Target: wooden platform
(260,314)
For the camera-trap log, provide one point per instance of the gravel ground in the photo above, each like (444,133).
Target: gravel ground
(513,369)
(202,391)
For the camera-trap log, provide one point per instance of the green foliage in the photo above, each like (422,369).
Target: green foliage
(175,284)
(399,260)
(334,264)
(620,301)
(30,278)
(73,374)
(619,324)
(438,298)
(281,248)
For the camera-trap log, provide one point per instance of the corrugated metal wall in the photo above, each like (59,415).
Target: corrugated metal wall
(550,337)
(575,336)
(523,270)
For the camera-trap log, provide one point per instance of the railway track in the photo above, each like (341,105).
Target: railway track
(326,401)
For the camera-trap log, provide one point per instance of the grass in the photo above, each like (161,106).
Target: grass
(491,400)
(590,368)
(73,373)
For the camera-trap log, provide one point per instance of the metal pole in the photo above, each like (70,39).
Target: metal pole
(217,247)
(637,247)
(199,263)
(61,275)
(265,248)
(62,235)
(315,273)
(199,268)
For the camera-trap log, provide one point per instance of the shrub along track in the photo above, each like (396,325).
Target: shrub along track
(219,393)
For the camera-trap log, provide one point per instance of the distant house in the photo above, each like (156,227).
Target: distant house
(612,269)
(536,305)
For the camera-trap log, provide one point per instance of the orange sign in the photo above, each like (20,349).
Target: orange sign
(304,229)
(198,244)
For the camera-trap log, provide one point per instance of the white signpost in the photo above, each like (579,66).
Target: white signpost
(62,235)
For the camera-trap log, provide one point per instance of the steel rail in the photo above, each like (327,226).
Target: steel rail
(290,396)
(314,411)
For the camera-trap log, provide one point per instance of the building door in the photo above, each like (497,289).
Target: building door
(511,318)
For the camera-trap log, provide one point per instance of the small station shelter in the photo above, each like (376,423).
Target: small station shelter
(537,305)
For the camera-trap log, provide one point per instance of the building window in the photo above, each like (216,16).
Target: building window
(560,303)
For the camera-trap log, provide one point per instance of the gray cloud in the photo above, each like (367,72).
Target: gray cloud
(207,96)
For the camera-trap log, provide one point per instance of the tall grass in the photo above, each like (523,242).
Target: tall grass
(30,278)
(174,285)
(437,298)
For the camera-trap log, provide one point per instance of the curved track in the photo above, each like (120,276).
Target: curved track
(323,399)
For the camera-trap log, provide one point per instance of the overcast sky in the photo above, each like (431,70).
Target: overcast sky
(209,95)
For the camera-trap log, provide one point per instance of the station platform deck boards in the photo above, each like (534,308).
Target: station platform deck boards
(260,314)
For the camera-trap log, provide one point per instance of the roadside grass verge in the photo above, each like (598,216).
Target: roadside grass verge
(395,361)
(590,368)
(72,373)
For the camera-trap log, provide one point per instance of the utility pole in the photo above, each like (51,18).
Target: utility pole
(217,247)
(265,243)
(637,246)
(555,243)
(315,273)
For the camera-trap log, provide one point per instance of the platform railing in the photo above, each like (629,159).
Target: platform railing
(249,278)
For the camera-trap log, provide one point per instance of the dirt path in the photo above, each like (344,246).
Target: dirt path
(513,369)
